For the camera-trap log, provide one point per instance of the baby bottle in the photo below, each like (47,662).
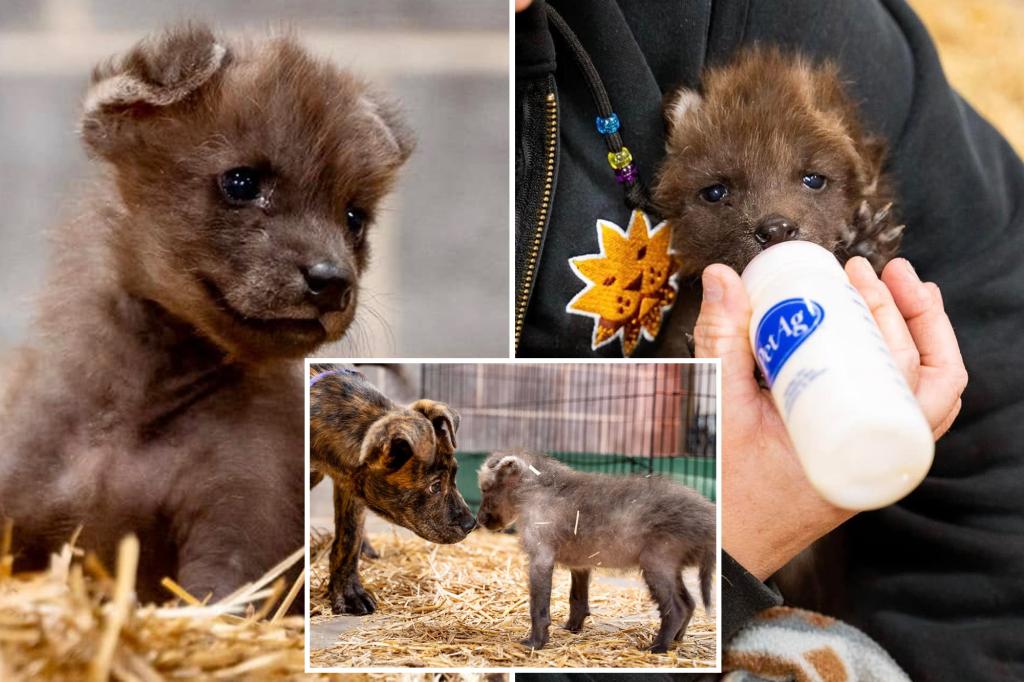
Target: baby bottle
(856,427)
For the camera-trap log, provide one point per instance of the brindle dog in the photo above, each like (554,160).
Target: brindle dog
(398,461)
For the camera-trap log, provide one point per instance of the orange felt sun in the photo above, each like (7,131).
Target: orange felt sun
(630,284)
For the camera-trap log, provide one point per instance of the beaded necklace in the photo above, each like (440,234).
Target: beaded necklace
(607,121)
(631,283)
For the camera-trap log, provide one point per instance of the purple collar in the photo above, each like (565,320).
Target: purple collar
(330,372)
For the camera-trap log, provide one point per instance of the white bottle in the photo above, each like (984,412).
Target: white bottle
(856,427)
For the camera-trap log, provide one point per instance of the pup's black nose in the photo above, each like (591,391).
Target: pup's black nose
(775,229)
(329,286)
(467,524)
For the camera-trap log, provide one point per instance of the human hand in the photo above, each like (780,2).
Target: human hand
(770,512)
(522,4)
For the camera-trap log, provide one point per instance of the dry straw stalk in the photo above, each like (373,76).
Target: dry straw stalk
(74,621)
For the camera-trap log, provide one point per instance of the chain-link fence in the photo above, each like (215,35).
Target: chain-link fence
(613,418)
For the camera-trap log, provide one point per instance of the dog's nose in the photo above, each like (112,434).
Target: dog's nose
(775,229)
(467,524)
(329,286)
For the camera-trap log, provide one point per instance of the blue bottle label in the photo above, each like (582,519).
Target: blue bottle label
(782,330)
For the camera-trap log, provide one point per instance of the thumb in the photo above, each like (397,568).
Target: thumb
(722,330)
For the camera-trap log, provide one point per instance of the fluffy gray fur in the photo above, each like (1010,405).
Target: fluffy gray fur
(584,520)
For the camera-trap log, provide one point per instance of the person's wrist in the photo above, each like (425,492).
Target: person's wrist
(763,537)
(759,549)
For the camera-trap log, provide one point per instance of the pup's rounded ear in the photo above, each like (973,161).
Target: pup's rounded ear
(510,468)
(444,419)
(678,105)
(396,139)
(159,71)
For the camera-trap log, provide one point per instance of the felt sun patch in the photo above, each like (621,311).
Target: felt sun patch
(630,283)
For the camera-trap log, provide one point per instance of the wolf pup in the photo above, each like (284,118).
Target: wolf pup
(582,520)
(398,461)
(223,239)
(772,149)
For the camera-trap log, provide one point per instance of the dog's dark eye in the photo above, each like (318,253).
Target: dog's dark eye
(814,181)
(241,185)
(435,487)
(714,193)
(356,221)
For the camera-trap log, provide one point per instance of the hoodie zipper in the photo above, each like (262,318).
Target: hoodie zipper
(550,140)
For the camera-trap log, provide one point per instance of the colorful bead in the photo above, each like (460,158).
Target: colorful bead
(620,159)
(626,175)
(607,126)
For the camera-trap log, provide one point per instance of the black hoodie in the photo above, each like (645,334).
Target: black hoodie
(938,579)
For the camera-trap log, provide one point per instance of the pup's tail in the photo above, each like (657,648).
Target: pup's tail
(707,572)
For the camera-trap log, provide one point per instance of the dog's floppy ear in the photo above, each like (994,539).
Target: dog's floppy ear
(395,139)
(680,104)
(444,419)
(158,72)
(393,440)
(390,454)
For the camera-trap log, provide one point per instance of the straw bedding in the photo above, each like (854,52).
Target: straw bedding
(467,605)
(77,621)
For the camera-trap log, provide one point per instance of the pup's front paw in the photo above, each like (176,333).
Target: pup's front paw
(874,235)
(575,623)
(659,648)
(352,598)
(534,642)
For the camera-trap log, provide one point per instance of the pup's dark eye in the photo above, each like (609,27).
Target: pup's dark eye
(435,487)
(714,193)
(356,221)
(814,181)
(241,185)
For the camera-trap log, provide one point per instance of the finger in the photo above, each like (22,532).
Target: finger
(943,375)
(721,330)
(921,306)
(947,421)
(888,317)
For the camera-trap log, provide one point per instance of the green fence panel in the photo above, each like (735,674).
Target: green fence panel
(695,472)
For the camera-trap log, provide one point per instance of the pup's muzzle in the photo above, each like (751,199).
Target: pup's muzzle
(775,229)
(328,286)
